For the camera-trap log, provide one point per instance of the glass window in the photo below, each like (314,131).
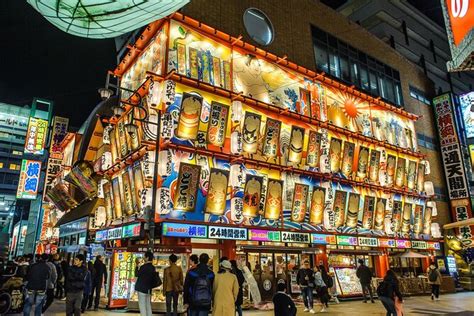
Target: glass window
(398,94)
(381,82)
(354,73)
(321,53)
(389,90)
(258,26)
(373,83)
(1,164)
(364,78)
(334,64)
(17,152)
(345,73)
(13,166)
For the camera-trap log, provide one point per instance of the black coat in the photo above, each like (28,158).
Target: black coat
(191,276)
(76,278)
(301,277)
(283,305)
(241,279)
(100,275)
(364,274)
(393,289)
(146,278)
(37,276)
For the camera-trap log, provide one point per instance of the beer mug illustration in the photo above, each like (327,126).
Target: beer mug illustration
(316,214)
(273,202)
(188,123)
(296,145)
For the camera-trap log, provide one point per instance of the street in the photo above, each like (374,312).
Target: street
(461,304)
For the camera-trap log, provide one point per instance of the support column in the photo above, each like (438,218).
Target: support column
(228,249)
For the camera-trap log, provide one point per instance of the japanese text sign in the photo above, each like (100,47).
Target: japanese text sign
(346,241)
(264,235)
(36,136)
(234,233)
(368,242)
(59,131)
(295,237)
(184,230)
(29,179)
(54,167)
(321,239)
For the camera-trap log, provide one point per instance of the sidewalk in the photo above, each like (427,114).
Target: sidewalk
(460,304)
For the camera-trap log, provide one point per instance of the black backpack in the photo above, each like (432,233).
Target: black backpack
(329,281)
(433,275)
(382,289)
(202,295)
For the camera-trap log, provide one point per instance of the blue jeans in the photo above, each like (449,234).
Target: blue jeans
(389,305)
(307,293)
(238,309)
(172,301)
(34,298)
(197,312)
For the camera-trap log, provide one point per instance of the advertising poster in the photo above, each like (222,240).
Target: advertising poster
(274,200)
(335,152)
(271,139)
(217,193)
(251,132)
(116,191)
(81,177)
(52,170)
(217,126)
(109,206)
(367,217)
(379,214)
(396,216)
(391,167)
(216,67)
(300,200)
(188,123)
(374,165)
(417,219)
(362,163)
(304,104)
(406,218)
(420,177)
(28,182)
(411,175)
(181,58)
(348,159)
(316,213)
(295,151)
(427,221)
(193,63)
(466,101)
(352,210)
(401,171)
(313,151)
(252,193)
(127,194)
(185,194)
(339,207)
(36,136)
(59,131)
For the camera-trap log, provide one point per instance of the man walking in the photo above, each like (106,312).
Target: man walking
(198,288)
(365,277)
(53,276)
(75,282)
(172,285)
(147,279)
(434,279)
(37,277)
(99,279)
(305,279)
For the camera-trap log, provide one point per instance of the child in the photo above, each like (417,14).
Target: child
(283,304)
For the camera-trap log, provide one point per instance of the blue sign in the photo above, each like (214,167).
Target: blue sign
(184,230)
(101,235)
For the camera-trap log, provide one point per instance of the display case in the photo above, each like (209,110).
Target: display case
(347,283)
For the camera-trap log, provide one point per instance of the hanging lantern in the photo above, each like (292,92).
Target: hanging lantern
(169,92)
(164,163)
(236,143)
(236,111)
(429,188)
(427,167)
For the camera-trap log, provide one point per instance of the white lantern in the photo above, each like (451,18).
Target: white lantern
(236,176)
(427,167)
(435,230)
(164,163)
(236,111)
(236,143)
(155,94)
(429,188)
(169,92)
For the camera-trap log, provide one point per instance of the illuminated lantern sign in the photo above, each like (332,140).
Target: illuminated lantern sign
(59,129)
(36,136)
(346,241)
(233,233)
(184,230)
(29,179)
(264,235)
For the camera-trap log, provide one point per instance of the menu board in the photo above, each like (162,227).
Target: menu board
(348,281)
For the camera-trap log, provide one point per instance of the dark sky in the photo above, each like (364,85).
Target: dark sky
(39,60)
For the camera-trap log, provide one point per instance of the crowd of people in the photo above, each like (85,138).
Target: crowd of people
(44,278)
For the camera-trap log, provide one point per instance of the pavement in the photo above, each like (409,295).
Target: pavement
(459,304)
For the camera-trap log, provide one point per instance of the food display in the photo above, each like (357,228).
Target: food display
(348,282)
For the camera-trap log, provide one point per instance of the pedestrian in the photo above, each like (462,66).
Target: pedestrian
(198,288)
(282,302)
(53,276)
(60,277)
(434,279)
(305,280)
(389,292)
(172,285)
(87,295)
(37,277)
(193,261)
(226,290)
(75,283)
(65,269)
(321,287)
(365,278)
(147,279)
(99,278)
(241,280)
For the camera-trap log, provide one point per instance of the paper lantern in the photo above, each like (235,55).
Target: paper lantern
(352,210)
(164,163)
(295,151)
(236,143)
(427,167)
(103,18)
(169,92)
(335,153)
(155,94)
(436,231)
(429,188)
(236,114)
(379,214)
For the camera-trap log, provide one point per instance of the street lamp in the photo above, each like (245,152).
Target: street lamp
(105,93)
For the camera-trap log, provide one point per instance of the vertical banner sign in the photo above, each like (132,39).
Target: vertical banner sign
(252,193)
(313,151)
(417,220)
(188,123)
(36,136)
(274,200)
(374,165)
(396,216)
(185,196)
(339,207)
(406,218)
(453,165)
(362,162)
(352,209)
(251,132)
(217,124)
(317,206)
(216,195)
(29,179)
(271,139)
(54,166)
(59,131)
(367,217)
(300,198)
(335,151)
(348,159)
(379,214)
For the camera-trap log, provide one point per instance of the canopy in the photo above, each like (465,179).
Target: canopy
(81,211)
(411,254)
(466,222)
(104,18)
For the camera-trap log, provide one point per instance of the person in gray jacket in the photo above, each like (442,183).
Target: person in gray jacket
(53,277)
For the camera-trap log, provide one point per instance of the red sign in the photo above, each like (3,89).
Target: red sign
(461,18)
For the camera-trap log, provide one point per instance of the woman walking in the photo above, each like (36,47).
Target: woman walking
(389,293)
(226,290)
(321,287)
(240,279)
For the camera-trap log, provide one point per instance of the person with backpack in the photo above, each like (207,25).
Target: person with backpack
(37,277)
(365,277)
(321,281)
(282,302)
(305,280)
(240,279)
(225,290)
(147,280)
(434,279)
(389,292)
(172,285)
(198,288)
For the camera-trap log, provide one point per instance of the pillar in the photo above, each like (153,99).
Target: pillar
(228,249)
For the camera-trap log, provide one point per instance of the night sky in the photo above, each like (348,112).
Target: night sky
(39,60)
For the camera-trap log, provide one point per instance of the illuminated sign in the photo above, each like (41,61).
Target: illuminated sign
(29,179)
(101,235)
(403,244)
(466,102)
(434,245)
(184,230)
(114,233)
(461,18)
(234,233)
(132,230)
(295,237)
(418,244)
(368,242)
(59,131)
(346,241)
(54,167)
(320,239)
(387,243)
(264,235)
(36,136)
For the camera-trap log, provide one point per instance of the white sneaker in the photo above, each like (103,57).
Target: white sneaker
(437,299)
(305,309)
(323,310)
(312,311)
(336,300)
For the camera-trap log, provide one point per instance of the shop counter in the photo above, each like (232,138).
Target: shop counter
(420,285)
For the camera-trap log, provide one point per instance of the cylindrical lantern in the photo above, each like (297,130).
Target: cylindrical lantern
(164,163)
(236,143)
(429,188)
(236,111)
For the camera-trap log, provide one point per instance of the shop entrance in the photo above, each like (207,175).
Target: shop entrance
(269,267)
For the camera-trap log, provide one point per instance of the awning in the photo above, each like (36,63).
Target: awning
(82,210)
(466,222)
(410,254)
